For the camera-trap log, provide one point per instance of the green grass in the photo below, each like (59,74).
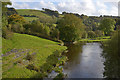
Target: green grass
(26,44)
(97,39)
(30,18)
(30,12)
(37,13)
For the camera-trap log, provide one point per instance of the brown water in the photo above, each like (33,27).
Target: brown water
(85,61)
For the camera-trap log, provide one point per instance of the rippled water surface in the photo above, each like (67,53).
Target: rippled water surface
(85,61)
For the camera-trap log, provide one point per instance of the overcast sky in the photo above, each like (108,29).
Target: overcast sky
(87,7)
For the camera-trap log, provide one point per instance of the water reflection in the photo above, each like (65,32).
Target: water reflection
(85,61)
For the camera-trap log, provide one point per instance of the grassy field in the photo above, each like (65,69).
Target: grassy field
(39,15)
(16,50)
(98,39)
(31,12)
(30,18)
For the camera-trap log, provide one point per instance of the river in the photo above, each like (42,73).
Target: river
(84,61)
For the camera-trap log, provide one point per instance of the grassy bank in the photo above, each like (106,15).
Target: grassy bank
(98,39)
(25,56)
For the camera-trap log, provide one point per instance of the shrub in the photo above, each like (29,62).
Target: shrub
(112,57)
(16,18)
(91,34)
(32,67)
(85,35)
(55,34)
(17,27)
(99,33)
(29,57)
(7,34)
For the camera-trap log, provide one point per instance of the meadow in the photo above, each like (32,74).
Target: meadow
(28,19)
(16,49)
(39,15)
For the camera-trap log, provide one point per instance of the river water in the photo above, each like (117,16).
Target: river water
(85,61)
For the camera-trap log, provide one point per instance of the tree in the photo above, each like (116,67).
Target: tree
(107,25)
(36,26)
(55,34)
(71,28)
(7,34)
(91,34)
(47,30)
(4,13)
(99,33)
(112,57)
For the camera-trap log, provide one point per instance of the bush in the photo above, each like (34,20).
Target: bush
(29,57)
(46,30)
(85,35)
(91,34)
(7,34)
(32,67)
(16,18)
(99,33)
(17,27)
(55,34)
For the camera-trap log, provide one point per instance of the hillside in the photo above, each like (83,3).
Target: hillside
(35,14)
(17,51)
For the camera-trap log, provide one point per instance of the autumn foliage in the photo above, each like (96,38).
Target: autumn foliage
(16,18)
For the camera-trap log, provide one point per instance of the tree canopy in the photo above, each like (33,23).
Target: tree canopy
(16,18)
(70,27)
(107,25)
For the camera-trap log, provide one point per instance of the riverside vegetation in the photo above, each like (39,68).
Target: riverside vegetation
(32,40)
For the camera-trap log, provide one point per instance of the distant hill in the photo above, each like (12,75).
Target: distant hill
(30,14)
(50,16)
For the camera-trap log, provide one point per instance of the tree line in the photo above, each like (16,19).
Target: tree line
(70,28)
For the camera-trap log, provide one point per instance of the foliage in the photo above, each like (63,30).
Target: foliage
(85,35)
(97,39)
(16,27)
(99,33)
(16,18)
(44,18)
(36,26)
(107,25)
(91,34)
(32,67)
(30,57)
(112,57)
(23,44)
(7,34)
(55,34)
(51,12)
(47,30)
(70,27)
(4,13)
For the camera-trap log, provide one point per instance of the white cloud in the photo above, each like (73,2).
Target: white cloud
(88,7)
(114,11)
(49,5)
(101,4)
(20,6)
(83,7)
